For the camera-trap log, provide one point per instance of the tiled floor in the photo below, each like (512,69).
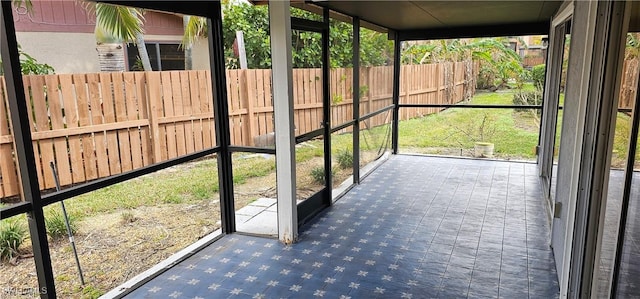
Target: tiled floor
(628,283)
(418,227)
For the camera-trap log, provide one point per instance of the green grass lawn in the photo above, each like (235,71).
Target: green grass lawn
(181,184)
(514,133)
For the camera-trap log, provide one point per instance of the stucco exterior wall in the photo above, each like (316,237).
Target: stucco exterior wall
(200,53)
(65,52)
(76,52)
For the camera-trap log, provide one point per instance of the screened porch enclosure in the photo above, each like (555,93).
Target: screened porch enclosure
(393,225)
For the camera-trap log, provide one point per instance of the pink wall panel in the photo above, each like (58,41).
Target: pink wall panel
(71,16)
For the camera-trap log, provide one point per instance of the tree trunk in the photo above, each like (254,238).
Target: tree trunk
(188,56)
(142,52)
(110,57)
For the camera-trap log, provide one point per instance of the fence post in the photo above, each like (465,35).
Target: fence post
(154,107)
(247,96)
(370,95)
(9,171)
(406,81)
(438,86)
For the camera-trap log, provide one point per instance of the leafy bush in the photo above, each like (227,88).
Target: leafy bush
(486,78)
(522,97)
(56,225)
(12,234)
(537,75)
(345,159)
(30,66)
(524,76)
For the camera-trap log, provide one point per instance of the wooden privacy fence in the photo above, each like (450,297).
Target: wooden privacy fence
(101,124)
(97,125)
(443,83)
(629,85)
(532,61)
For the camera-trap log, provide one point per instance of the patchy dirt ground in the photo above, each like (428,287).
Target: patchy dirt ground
(114,247)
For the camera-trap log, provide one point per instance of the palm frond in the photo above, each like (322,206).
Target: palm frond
(195,28)
(121,22)
(23,3)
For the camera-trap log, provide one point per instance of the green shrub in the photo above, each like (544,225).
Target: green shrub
(486,78)
(537,75)
(345,159)
(317,173)
(522,97)
(12,234)
(56,225)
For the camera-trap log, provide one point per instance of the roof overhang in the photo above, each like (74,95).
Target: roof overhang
(418,19)
(452,19)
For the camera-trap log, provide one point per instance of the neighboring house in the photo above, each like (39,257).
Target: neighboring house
(61,34)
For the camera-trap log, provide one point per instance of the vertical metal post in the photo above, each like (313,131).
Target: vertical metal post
(221,114)
(24,152)
(626,195)
(611,35)
(326,107)
(396,92)
(356,100)
(547,54)
(280,32)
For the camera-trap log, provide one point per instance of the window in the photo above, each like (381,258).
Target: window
(163,56)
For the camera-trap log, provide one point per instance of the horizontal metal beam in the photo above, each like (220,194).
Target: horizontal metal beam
(306,25)
(538,28)
(119,178)
(310,135)
(252,149)
(537,107)
(374,113)
(343,126)
(15,209)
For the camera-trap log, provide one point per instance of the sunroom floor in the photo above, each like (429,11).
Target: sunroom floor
(417,227)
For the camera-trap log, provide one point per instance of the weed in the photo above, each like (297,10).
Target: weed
(364,89)
(90,291)
(202,192)
(172,198)
(56,225)
(345,159)
(336,99)
(12,234)
(317,173)
(128,217)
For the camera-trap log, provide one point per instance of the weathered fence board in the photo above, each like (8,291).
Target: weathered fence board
(8,172)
